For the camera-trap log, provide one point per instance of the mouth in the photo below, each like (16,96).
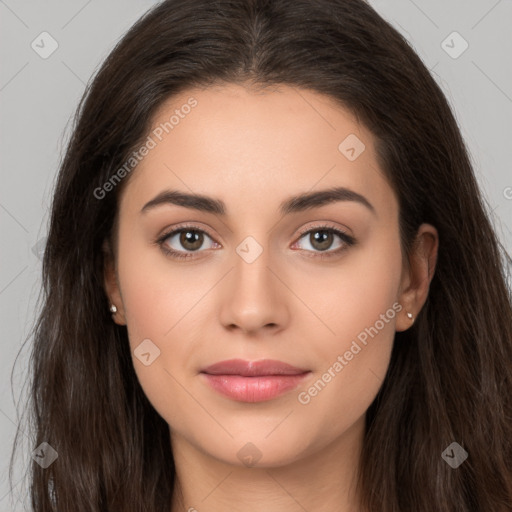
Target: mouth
(253,381)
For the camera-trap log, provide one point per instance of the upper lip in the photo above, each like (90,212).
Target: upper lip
(252,368)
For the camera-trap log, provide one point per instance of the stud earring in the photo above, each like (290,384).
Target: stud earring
(410,317)
(113,308)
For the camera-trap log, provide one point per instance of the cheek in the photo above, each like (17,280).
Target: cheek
(157,293)
(358,294)
(359,307)
(158,308)
(164,303)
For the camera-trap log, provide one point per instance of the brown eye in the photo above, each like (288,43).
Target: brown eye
(321,239)
(191,240)
(183,242)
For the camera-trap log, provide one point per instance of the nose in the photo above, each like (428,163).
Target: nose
(254,297)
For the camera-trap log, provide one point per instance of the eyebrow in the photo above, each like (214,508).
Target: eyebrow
(293,204)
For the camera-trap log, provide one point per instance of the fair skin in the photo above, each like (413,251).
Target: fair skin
(254,150)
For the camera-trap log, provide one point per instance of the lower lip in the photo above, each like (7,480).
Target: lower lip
(254,389)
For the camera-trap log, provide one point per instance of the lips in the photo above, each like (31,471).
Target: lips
(253,368)
(253,381)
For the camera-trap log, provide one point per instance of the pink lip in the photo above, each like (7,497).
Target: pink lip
(253,381)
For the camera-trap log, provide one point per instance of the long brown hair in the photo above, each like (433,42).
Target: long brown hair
(450,375)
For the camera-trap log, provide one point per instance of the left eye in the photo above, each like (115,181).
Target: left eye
(321,239)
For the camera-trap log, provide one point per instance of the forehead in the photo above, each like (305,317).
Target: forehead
(256,146)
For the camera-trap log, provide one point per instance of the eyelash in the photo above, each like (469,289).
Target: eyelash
(348,241)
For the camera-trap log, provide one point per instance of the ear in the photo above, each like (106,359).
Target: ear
(417,275)
(111,283)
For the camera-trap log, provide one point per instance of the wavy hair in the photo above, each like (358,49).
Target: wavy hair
(450,375)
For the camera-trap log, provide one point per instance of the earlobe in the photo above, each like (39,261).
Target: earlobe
(418,276)
(404,321)
(112,286)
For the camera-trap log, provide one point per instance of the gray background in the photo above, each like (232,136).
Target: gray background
(38,97)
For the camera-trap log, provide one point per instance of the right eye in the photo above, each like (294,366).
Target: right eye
(190,238)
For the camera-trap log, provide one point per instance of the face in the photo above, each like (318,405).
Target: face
(312,283)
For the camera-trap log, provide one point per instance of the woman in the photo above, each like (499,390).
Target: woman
(270,278)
